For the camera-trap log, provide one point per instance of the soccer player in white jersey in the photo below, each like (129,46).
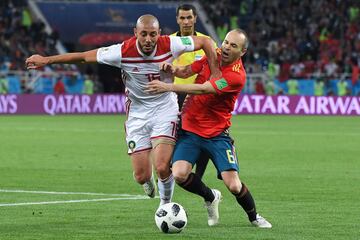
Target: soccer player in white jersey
(152,118)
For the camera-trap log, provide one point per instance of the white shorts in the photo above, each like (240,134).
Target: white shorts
(140,132)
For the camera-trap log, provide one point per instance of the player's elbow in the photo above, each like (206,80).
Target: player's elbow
(89,56)
(87,59)
(202,42)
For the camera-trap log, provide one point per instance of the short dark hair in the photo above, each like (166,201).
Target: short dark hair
(185,7)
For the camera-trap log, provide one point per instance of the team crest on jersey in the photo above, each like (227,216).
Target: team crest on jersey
(237,67)
(131,145)
(185,40)
(221,83)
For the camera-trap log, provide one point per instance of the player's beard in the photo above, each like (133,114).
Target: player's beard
(148,48)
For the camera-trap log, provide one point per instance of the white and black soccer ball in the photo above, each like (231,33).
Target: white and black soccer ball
(171,218)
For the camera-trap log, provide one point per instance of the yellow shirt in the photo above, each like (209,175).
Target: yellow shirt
(188,58)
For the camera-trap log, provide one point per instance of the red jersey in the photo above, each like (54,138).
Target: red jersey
(209,115)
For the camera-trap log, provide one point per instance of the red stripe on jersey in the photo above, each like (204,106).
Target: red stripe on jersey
(127,107)
(147,61)
(128,48)
(125,129)
(174,129)
(141,150)
(163,45)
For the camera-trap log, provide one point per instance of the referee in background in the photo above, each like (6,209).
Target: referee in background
(186,18)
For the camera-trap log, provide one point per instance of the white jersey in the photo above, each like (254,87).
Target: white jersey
(139,69)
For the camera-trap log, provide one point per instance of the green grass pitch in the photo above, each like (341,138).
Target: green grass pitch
(304,173)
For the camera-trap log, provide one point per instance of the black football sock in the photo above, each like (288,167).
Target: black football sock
(201,164)
(247,202)
(194,184)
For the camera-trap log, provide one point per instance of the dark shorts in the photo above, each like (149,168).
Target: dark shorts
(220,149)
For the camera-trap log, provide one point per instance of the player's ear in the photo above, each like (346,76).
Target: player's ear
(135,33)
(243,51)
(195,17)
(159,31)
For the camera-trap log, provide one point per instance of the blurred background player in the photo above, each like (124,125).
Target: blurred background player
(205,126)
(88,87)
(59,87)
(4,86)
(186,16)
(151,118)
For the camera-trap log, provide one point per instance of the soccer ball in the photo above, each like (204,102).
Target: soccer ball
(171,218)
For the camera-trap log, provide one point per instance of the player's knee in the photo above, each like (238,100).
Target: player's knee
(180,178)
(180,175)
(234,187)
(163,170)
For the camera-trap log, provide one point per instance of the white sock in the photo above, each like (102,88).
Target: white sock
(166,189)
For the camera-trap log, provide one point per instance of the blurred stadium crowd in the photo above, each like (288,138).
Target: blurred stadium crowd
(296,39)
(20,36)
(292,42)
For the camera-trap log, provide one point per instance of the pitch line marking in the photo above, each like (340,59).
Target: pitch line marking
(84,130)
(117,197)
(73,201)
(66,193)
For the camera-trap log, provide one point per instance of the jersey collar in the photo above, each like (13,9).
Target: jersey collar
(143,54)
(238,62)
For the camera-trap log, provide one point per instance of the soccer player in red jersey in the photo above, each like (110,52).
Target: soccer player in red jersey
(205,121)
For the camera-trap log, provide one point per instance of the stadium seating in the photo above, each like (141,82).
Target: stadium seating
(44,85)
(327,38)
(313,33)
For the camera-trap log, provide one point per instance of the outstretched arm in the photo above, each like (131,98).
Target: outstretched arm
(160,87)
(38,61)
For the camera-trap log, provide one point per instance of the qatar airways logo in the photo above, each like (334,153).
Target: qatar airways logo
(297,105)
(115,104)
(8,104)
(83,104)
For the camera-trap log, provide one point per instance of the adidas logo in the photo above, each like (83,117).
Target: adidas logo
(135,69)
